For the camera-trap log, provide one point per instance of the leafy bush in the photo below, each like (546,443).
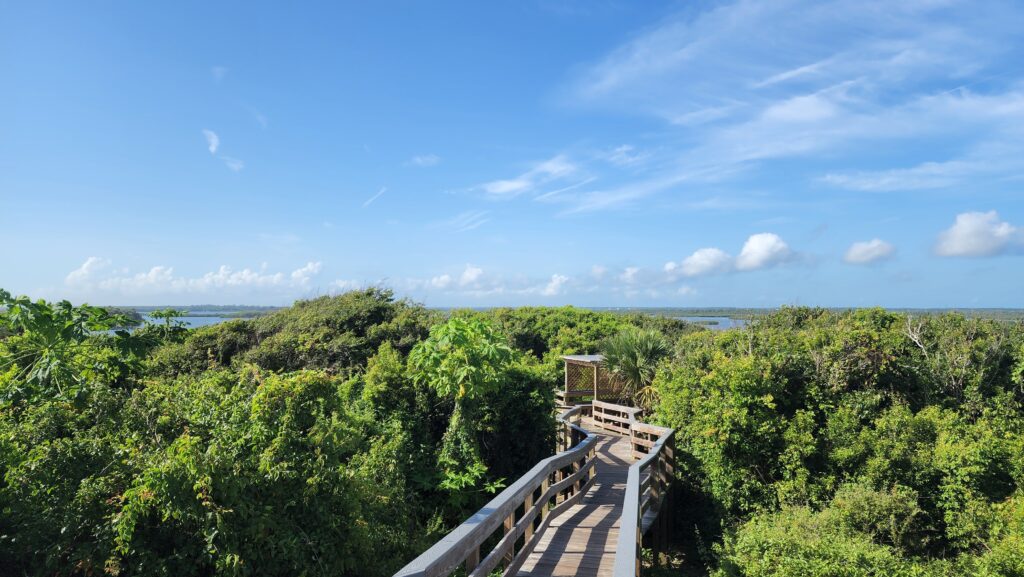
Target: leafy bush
(892,442)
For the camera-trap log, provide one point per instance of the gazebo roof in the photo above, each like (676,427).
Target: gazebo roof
(588,359)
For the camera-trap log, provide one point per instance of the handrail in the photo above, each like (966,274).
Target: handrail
(550,487)
(644,497)
(643,502)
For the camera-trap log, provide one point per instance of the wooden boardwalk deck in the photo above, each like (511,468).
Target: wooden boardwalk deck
(582,540)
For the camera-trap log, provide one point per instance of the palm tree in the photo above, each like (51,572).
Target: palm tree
(633,356)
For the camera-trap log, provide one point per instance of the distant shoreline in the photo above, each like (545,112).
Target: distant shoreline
(736,313)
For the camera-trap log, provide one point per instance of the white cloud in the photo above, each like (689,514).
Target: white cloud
(869,251)
(978,234)
(761,251)
(793,73)
(923,176)
(554,287)
(234,164)
(507,187)
(801,109)
(470,275)
(468,220)
(687,291)
(629,275)
(767,82)
(441,282)
(302,276)
(624,155)
(212,140)
(425,160)
(598,271)
(344,285)
(87,271)
(161,280)
(378,194)
(706,261)
(554,169)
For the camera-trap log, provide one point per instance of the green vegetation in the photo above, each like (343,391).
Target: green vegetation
(344,435)
(855,443)
(632,356)
(340,436)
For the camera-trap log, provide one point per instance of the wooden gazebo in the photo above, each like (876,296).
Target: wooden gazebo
(587,379)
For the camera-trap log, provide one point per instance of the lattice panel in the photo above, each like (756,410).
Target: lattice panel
(579,378)
(608,386)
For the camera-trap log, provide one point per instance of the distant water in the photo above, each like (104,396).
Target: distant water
(717,323)
(196,322)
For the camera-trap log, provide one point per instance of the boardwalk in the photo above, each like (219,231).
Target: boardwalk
(565,515)
(582,540)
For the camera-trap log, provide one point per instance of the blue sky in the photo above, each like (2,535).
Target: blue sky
(597,153)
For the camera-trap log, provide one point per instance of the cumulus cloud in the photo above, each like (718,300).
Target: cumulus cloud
(470,275)
(212,140)
(763,250)
(598,271)
(629,275)
(554,287)
(302,276)
(87,271)
(441,282)
(977,234)
(705,261)
(344,285)
(869,251)
(161,279)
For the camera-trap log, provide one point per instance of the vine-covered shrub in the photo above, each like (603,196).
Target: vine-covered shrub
(303,443)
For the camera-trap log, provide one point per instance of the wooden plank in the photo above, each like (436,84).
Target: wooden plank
(462,543)
(603,506)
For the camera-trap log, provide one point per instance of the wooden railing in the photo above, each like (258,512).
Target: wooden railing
(647,485)
(522,511)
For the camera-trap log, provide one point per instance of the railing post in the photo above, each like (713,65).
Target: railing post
(527,505)
(473,559)
(508,524)
(558,478)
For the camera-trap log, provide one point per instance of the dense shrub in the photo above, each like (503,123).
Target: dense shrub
(851,443)
(301,443)
(335,333)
